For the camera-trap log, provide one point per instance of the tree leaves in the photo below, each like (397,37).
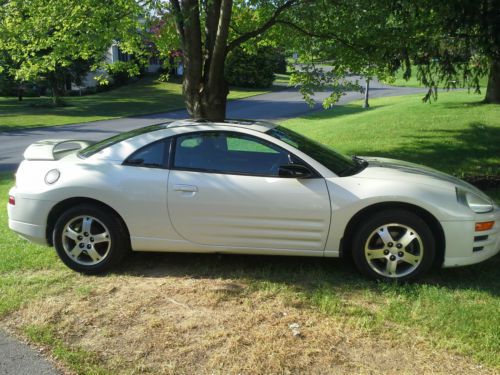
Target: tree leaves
(41,36)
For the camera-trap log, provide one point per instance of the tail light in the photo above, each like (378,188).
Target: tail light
(12,200)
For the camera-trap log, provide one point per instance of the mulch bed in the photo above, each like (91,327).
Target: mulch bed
(484,182)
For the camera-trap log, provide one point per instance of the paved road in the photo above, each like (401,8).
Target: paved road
(272,106)
(17,358)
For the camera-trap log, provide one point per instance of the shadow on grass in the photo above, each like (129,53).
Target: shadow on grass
(338,111)
(303,274)
(458,105)
(141,97)
(6,178)
(478,146)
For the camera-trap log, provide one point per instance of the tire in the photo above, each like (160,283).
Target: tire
(90,239)
(394,245)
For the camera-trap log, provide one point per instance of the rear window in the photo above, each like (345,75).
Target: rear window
(99,146)
(150,156)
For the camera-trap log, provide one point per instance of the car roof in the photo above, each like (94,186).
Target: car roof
(257,125)
(115,147)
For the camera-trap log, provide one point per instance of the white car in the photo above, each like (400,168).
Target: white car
(245,187)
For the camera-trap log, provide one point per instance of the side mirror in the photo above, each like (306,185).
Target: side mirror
(294,171)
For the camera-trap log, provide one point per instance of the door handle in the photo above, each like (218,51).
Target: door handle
(186,188)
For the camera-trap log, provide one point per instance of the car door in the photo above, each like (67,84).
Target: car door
(143,178)
(224,190)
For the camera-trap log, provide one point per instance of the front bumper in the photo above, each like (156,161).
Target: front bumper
(465,246)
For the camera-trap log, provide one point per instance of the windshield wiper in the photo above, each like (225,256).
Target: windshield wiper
(358,167)
(359,160)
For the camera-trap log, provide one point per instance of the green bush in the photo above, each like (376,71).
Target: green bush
(122,72)
(10,87)
(279,61)
(253,69)
(7,85)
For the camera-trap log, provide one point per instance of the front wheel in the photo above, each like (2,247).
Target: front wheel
(394,245)
(89,239)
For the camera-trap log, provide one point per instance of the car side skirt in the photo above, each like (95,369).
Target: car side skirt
(165,245)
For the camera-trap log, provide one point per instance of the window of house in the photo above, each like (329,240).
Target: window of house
(123,56)
(154,60)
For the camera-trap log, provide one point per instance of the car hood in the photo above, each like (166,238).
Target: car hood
(392,169)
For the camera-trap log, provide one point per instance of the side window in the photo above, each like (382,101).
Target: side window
(227,152)
(248,145)
(151,156)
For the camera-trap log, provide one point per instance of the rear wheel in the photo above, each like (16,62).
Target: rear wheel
(394,245)
(89,239)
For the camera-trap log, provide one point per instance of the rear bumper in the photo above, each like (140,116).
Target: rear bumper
(32,232)
(28,217)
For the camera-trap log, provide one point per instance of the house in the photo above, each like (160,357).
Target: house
(114,54)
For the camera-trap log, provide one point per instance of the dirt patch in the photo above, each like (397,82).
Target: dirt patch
(186,325)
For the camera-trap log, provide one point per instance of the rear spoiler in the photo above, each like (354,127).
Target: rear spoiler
(46,149)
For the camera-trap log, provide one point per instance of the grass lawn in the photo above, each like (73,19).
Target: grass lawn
(145,96)
(414,82)
(187,313)
(457,134)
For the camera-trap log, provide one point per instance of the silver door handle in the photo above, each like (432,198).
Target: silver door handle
(186,188)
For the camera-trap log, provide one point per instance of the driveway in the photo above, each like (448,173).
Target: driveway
(17,358)
(272,106)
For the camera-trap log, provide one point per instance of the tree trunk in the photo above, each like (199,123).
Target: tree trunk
(214,100)
(206,101)
(56,84)
(189,14)
(20,92)
(204,86)
(367,93)
(215,90)
(56,96)
(493,90)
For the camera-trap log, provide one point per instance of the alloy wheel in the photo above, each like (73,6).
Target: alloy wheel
(394,250)
(86,240)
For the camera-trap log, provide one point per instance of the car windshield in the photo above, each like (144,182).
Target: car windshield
(339,164)
(99,146)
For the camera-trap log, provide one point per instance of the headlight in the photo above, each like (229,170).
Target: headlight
(475,202)
(52,176)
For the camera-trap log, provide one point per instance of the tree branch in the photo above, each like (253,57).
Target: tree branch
(179,20)
(329,35)
(212,10)
(264,27)
(235,30)
(193,59)
(218,52)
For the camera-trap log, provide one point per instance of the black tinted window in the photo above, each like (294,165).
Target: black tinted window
(226,152)
(336,162)
(152,155)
